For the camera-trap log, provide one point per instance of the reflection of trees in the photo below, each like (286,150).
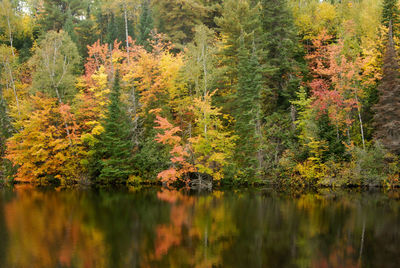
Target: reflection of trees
(166,228)
(46,231)
(199,230)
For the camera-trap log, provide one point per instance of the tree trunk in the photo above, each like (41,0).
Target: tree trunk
(10,35)
(13,86)
(126,31)
(361,123)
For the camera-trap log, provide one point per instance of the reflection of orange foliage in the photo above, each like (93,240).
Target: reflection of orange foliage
(194,223)
(339,257)
(171,235)
(58,229)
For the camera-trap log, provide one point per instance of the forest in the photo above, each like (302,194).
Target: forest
(199,93)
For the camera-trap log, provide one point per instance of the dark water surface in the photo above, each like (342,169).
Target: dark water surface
(162,228)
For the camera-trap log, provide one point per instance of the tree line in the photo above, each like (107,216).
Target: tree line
(200,92)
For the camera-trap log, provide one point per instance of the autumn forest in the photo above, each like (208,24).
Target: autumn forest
(200,93)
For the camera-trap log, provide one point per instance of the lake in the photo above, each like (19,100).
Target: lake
(156,227)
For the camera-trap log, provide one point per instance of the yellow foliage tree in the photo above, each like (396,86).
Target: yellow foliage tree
(42,149)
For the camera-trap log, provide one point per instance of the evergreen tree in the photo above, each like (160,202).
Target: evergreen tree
(5,133)
(145,24)
(116,29)
(282,52)
(248,111)
(387,110)
(391,13)
(56,13)
(177,19)
(115,144)
(238,19)
(68,26)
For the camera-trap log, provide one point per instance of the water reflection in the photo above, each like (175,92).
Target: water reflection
(167,228)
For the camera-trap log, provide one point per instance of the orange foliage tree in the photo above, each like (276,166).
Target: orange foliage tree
(180,153)
(43,148)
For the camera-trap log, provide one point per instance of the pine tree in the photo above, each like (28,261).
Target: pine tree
(281,51)
(68,26)
(56,13)
(115,29)
(238,18)
(145,24)
(387,121)
(5,133)
(115,145)
(177,19)
(391,13)
(248,111)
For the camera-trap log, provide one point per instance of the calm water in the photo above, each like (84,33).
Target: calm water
(161,228)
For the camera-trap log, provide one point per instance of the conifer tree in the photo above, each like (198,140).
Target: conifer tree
(115,29)
(391,13)
(238,18)
(115,144)
(56,13)
(281,50)
(248,111)
(145,24)
(5,131)
(177,19)
(387,120)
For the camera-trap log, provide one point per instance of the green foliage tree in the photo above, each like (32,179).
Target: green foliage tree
(56,13)
(282,52)
(248,112)
(391,14)
(115,143)
(178,18)
(237,17)
(387,110)
(55,61)
(5,132)
(145,24)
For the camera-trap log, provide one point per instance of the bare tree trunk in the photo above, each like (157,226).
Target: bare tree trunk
(259,135)
(10,35)
(8,66)
(361,123)
(203,52)
(135,116)
(65,122)
(126,31)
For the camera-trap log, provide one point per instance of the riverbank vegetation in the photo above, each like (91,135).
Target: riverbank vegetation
(198,93)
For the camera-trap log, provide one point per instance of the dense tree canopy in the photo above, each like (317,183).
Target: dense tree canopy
(198,92)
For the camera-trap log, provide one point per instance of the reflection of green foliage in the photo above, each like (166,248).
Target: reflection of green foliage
(246,228)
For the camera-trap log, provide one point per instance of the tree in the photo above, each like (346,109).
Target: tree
(180,166)
(248,113)
(282,54)
(57,12)
(8,20)
(238,18)
(212,143)
(145,24)
(391,15)
(5,131)
(55,62)
(178,18)
(115,144)
(8,63)
(44,148)
(387,110)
